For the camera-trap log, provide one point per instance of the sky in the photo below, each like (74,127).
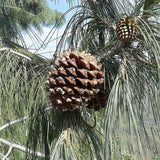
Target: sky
(60,6)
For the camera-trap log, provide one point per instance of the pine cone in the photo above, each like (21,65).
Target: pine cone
(99,101)
(126,30)
(75,80)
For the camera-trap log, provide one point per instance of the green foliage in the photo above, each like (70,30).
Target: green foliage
(128,128)
(131,121)
(17,15)
(18,94)
(64,135)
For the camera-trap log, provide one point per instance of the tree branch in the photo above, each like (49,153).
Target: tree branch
(8,153)
(148,3)
(20,120)
(3,156)
(13,145)
(17,53)
(21,148)
(13,122)
(143,61)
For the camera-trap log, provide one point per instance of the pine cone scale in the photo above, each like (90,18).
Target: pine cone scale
(126,30)
(75,80)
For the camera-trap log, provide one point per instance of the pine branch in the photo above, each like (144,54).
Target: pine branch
(8,153)
(15,146)
(13,122)
(142,60)
(17,53)
(90,4)
(10,7)
(19,147)
(19,120)
(148,3)
(88,125)
(3,156)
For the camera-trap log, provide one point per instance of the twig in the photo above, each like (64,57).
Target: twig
(145,62)
(90,4)
(10,7)
(13,122)
(89,126)
(48,108)
(21,148)
(8,153)
(17,53)
(3,156)
(20,120)
(15,146)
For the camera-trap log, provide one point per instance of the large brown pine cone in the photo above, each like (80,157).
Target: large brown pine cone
(126,30)
(75,80)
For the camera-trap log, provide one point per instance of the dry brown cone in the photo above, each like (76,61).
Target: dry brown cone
(126,30)
(99,101)
(75,80)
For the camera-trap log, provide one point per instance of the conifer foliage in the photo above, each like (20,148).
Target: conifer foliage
(42,121)
(18,15)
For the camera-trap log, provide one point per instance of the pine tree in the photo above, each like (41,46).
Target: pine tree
(124,38)
(18,16)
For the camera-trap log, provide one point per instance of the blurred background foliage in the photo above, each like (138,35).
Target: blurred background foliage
(17,16)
